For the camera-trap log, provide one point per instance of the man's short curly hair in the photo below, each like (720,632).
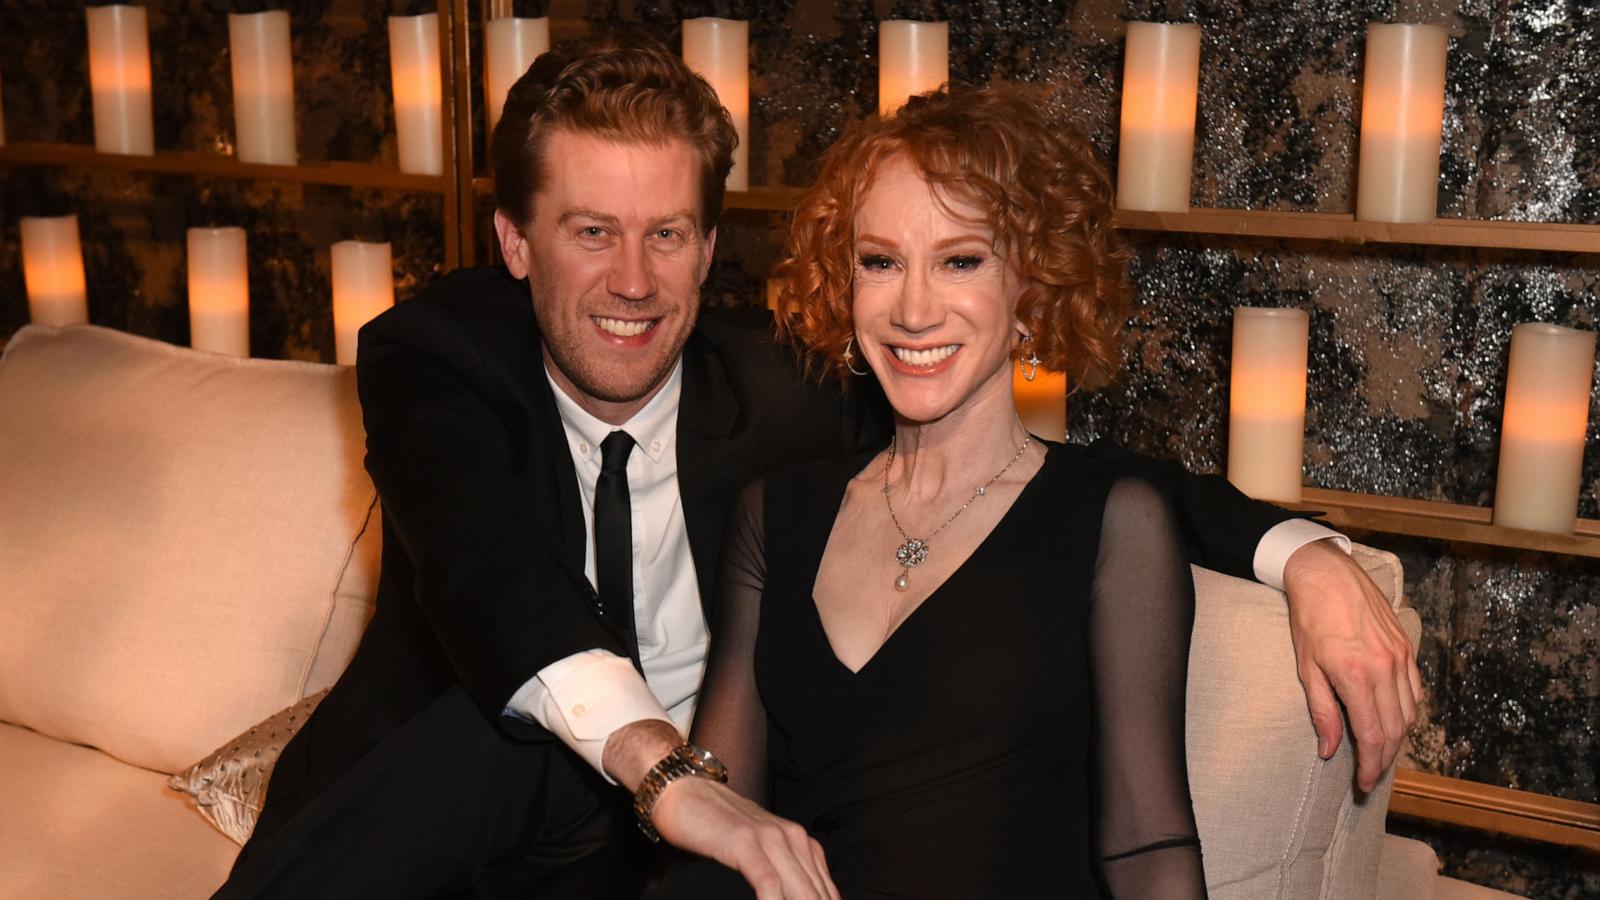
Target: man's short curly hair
(1043,193)
(622,89)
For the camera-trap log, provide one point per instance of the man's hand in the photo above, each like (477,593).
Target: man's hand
(703,816)
(1348,642)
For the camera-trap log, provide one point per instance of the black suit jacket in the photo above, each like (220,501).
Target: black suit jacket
(482,581)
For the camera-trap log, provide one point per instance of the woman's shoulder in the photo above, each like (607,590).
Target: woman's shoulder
(1119,477)
(1103,458)
(814,478)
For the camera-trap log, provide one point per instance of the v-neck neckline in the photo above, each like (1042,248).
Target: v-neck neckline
(960,570)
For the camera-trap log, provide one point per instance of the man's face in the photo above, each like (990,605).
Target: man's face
(614,256)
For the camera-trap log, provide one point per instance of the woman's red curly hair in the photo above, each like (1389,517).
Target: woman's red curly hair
(1044,195)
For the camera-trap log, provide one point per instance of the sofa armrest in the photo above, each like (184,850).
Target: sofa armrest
(1275,820)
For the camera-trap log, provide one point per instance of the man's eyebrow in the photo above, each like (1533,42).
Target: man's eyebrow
(680,216)
(612,221)
(571,214)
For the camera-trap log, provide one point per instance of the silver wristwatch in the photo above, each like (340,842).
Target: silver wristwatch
(684,760)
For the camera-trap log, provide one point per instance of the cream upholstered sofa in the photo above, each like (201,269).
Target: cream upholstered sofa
(188,544)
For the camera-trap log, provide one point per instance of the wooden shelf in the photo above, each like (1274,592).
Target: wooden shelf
(1343,228)
(341,174)
(1443,521)
(772,199)
(1552,820)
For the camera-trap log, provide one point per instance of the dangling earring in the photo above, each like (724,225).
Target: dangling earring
(850,358)
(1030,363)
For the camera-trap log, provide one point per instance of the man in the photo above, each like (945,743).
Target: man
(555,478)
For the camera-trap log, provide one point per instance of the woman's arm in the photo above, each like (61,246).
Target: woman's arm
(1140,620)
(729,719)
(773,856)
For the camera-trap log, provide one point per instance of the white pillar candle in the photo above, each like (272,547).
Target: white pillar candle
(1041,403)
(1160,84)
(1542,431)
(1267,402)
(363,287)
(219,291)
(52,269)
(510,45)
(719,49)
(1402,117)
(913,58)
(119,79)
(418,97)
(263,88)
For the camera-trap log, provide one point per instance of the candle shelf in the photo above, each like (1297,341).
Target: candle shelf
(1552,820)
(1558,237)
(1344,228)
(1442,521)
(341,174)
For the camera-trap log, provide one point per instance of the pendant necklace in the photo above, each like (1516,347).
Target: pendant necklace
(914,551)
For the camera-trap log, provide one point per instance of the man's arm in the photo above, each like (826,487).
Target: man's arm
(776,856)
(1348,643)
(1349,647)
(488,580)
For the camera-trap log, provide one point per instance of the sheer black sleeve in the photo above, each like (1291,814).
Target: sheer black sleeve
(730,720)
(1220,526)
(1140,621)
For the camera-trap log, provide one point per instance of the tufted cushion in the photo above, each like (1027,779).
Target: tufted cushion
(1275,820)
(188,541)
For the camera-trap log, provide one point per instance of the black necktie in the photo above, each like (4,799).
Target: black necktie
(613,533)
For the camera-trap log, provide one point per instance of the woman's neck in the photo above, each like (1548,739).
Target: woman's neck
(963,449)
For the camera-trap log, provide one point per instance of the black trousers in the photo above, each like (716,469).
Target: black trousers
(446,806)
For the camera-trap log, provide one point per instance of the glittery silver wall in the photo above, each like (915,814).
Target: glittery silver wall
(1408,346)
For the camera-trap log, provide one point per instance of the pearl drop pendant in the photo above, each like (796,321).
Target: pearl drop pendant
(902,583)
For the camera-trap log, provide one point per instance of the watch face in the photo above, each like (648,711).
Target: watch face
(708,763)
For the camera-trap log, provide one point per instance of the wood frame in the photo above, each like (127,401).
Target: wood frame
(215,165)
(1539,817)
(1343,228)
(1443,521)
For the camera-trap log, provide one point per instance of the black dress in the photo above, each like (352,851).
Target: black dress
(1019,735)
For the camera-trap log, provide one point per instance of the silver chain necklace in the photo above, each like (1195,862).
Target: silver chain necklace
(914,551)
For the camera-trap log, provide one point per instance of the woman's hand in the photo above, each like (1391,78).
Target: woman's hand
(775,855)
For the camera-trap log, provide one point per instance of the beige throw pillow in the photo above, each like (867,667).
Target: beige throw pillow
(229,785)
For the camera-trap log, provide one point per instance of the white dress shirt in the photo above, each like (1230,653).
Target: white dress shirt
(583,698)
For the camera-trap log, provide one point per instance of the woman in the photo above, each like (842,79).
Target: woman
(959,661)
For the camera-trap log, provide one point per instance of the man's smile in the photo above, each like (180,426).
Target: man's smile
(626,332)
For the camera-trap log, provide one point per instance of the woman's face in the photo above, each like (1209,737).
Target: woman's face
(934,306)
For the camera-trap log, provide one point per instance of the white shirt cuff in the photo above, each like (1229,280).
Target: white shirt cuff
(1282,540)
(584,698)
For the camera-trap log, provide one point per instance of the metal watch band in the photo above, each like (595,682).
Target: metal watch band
(684,760)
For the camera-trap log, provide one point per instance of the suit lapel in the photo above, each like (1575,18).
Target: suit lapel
(556,479)
(712,464)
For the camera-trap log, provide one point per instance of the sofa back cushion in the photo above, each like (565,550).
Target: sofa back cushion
(1275,820)
(188,542)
